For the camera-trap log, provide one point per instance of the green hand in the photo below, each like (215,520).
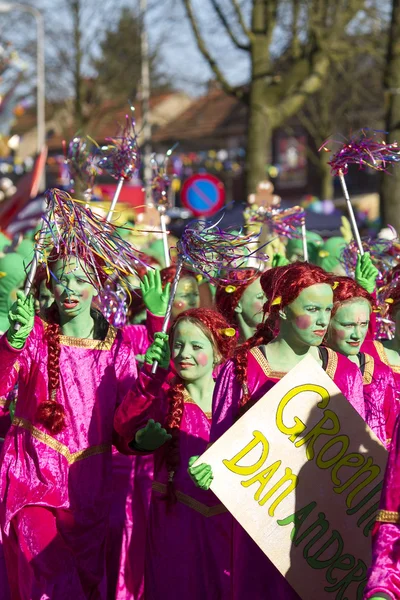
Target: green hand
(381,597)
(159,351)
(366,273)
(154,296)
(151,437)
(279,260)
(201,475)
(22,312)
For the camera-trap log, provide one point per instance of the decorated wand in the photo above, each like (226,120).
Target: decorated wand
(80,160)
(121,159)
(160,186)
(364,151)
(215,253)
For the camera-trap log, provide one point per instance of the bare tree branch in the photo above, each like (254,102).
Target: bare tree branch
(240,18)
(228,28)
(229,89)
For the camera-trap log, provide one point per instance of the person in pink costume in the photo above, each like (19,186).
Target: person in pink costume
(133,475)
(384,575)
(188,550)
(56,474)
(300,300)
(347,331)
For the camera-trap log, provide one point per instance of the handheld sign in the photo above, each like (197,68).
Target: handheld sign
(203,194)
(302,473)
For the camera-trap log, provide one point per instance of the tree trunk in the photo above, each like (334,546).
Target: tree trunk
(77,36)
(390,189)
(326,189)
(259,138)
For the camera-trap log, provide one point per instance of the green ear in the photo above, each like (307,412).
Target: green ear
(239,309)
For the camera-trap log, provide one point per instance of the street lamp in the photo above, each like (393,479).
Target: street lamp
(40,88)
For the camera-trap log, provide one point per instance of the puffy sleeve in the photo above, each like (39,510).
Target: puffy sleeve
(349,380)
(226,400)
(141,336)
(384,573)
(391,407)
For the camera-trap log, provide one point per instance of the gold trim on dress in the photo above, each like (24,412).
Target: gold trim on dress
(17,366)
(203,509)
(388,516)
(380,348)
(105,344)
(264,364)
(188,400)
(3,402)
(45,438)
(368,369)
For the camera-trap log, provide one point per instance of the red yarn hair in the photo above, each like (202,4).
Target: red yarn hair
(226,302)
(281,286)
(346,289)
(50,413)
(168,274)
(212,324)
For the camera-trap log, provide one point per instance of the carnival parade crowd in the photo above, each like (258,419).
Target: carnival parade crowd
(105,413)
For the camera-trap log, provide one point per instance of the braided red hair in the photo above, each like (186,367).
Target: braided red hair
(281,285)
(212,324)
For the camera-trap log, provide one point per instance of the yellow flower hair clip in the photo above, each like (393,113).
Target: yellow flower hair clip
(389,300)
(230,289)
(323,254)
(229,332)
(3,274)
(335,285)
(277,301)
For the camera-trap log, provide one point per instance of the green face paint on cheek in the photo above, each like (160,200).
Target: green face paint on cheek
(307,318)
(349,326)
(192,351)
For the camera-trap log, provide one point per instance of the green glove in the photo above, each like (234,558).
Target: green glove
(159,351)
(381,597)
(154,296)
(279,260)
(151,437)
(201,475)
(22,312)
(366,273)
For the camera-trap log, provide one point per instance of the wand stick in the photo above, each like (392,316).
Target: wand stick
(115,199)
(174,287)
(351,213)
(304,239)
(162,210)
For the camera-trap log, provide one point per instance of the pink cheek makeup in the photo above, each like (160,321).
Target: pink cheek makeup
(202,359)
(303,321)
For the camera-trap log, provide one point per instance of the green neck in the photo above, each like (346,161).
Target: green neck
(80,326)
(245,331)
(201,391)
(283,354)
(354,359)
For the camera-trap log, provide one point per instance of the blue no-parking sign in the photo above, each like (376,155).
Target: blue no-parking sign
(203,194)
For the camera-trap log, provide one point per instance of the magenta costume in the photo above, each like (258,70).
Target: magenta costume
(384,574)
(132,479)
(188,549)
(253,574)
(381,404)
(56,490)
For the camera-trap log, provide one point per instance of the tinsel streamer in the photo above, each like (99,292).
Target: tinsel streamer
(121,158)
(206,248)
(114,305)
(160,185)
(75,231)
(383,255)
(285,222)
(80,160)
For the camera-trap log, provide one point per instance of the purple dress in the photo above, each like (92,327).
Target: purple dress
(384,574)
(253,574)
(56,490)
(188,548)
(381,404)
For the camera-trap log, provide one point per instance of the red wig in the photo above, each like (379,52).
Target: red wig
(281,285)
(50,413)
(214,326)
(346,289)
(228,296)
(168,274)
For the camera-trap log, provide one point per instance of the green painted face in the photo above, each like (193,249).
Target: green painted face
(251,304)
(304,322)
(349,326)
(192,352)
(73,293)
(187,296)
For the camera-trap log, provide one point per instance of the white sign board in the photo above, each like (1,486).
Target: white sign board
(303,449)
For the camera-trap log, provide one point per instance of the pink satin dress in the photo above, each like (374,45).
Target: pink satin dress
(253,574)
(188,547)
(56,490)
